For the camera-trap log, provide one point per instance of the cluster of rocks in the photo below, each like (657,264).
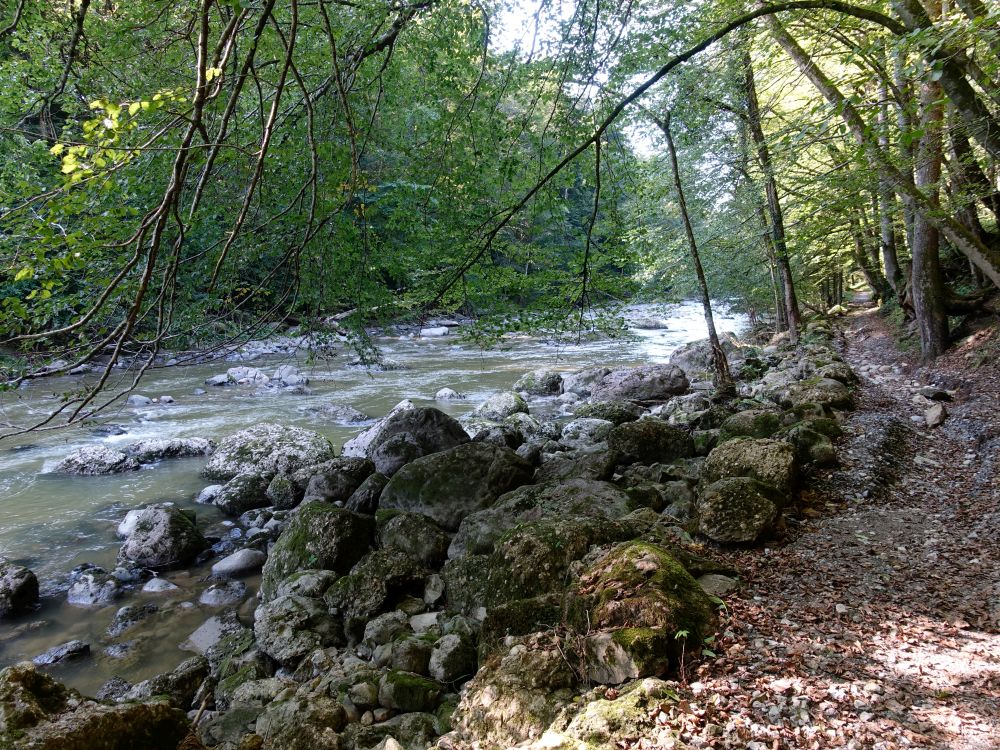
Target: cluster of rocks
(101,459)
(469,583)
(286,379)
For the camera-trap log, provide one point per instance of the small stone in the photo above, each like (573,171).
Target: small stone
(225,594)
(159,586)
(69,651)
(240,563)
(137,400)
(935,415)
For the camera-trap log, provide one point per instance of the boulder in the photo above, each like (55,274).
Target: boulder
(148,451)
(649,605)
(164,537)
(246,491)
(18,589)
(413,433)
(404,691)
(243,562)
(128,617)
(375,585)
(649,441)
(452,659)
(479,531)
(93,587)
(616,412)
(302,723)
(447,486)
(585,435)
(289,375)
(646,383)
(695,358)
(448,394)
(212,632)
(319,536)
(94,460)
(825,392)
(738,510)
(499,406)
(597,465)
(267,449)
(334,481)
(179,685)
(418,537)
(63,653)
(227,594)
(358,446)
(755,423)
(583,382)
(38,713)
(434,331)
(540,383)
(365,498)
(935,415)
(769,461)
(290,627)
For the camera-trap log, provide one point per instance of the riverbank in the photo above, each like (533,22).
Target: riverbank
(445,593)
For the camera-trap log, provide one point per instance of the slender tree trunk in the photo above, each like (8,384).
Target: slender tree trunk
(792,314)
(927,282)
(887,200)
(780,314)
(905,123)
(872,276)
(723,378)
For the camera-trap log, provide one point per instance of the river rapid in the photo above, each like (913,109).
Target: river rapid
(52,523)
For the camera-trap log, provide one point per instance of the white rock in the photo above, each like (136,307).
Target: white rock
(137,400)
(357,447)
(935,415)
(127,526)
(207,496)
(436,331)
(448,394)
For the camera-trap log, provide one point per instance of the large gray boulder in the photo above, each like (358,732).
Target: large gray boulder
(268,449)
(646,383)
(825,392)
(695,357)
(447,486)
(769,461)
(163,537)
(289,627)
(320,536)
(412,433)
(359,446)
(246,491)
(540,383)
(479,531)
(18,589)
(738,510)
(585,435)
(94,460)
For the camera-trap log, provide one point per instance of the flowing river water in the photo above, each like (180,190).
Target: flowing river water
(52,523)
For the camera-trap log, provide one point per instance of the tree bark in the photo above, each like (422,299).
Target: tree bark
(723,378)
(792,315)
(887,200)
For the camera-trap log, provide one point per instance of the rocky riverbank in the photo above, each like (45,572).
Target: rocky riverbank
(504,580)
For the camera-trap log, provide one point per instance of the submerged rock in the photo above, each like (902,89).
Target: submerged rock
(65,652)
(93,587)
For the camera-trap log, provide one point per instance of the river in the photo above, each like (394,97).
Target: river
(52,523)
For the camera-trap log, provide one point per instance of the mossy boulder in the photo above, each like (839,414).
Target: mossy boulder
(755,423)
(770,461)
(289,627)
(649,441)
(163,537)
(246,491)
(267,449)
(811,446)
(540,383)
(365,497)
(302,722)
(585,434)
(375,585)
(406,691)
(641,592)
(616,412)
(826,392)
(319,536)
(594,466)
(738,510)
(479,531)
(520,617)
(416,536)
(450,485)
(38,713)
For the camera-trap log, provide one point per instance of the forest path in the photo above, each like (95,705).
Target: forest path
(878,624)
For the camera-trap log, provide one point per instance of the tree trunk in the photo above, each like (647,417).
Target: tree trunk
(723,379)
(792,314)
(887,200)
(927,282)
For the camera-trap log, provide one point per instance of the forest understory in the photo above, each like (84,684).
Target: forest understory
(877,625)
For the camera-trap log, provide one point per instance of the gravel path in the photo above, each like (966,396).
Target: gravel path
(876,622)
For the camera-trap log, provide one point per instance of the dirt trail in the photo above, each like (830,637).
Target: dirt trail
(878,624)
